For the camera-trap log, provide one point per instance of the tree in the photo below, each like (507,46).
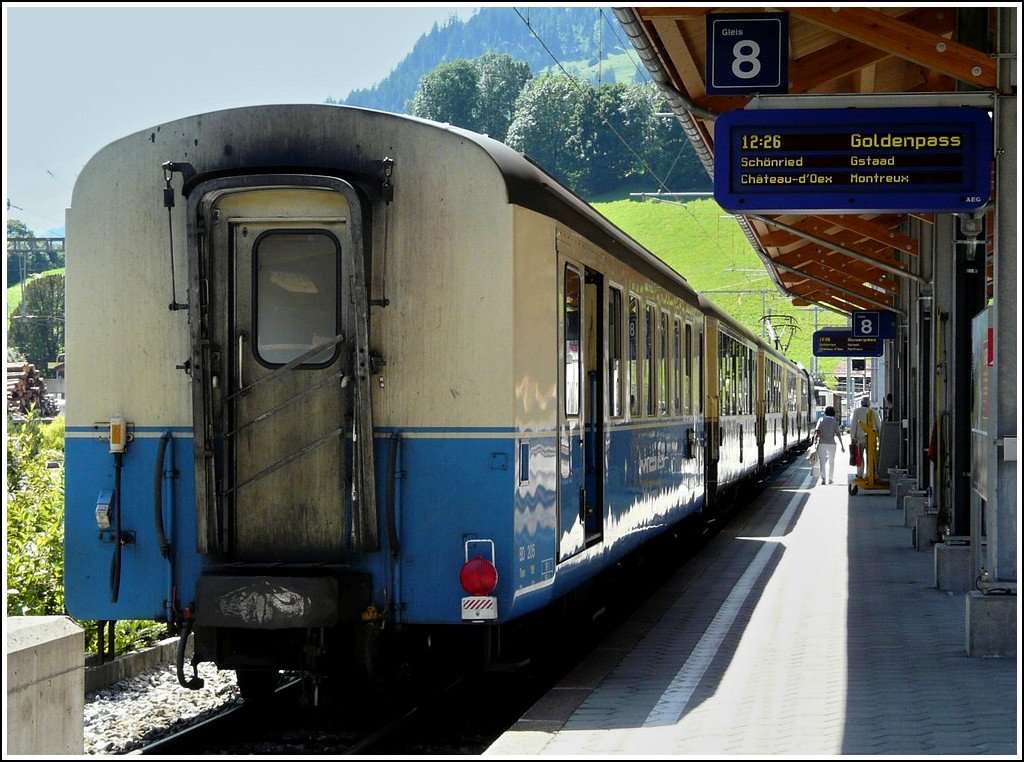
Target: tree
(477,95)
(614,127)
(500,79)
(37,328)
(28,254)
(449,94)
(546,126)
(670,160)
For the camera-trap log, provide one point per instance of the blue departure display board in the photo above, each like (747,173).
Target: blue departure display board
(836,161)
(830,342)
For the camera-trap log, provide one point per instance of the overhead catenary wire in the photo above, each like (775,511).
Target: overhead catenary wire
(661,182)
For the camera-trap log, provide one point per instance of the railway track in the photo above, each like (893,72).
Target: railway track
(443,718)
(441,712)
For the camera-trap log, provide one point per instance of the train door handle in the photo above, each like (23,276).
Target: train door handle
(583,504)
(241,354)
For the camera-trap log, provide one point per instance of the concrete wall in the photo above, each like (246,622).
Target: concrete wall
(45,686)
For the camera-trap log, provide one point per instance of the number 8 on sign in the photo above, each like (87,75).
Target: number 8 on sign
(745,64)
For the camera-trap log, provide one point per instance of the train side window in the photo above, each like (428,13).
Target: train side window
(725,373)
(677,367)
(688,370)
(573,358)
(664,379)
(748,381)
(701,360)
(751,381)
(634,356)
(296,299)
(776,388)
(648,360)
(615,351)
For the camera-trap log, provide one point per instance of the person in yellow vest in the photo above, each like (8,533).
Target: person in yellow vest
(858,436)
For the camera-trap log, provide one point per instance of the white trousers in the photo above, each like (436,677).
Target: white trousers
(827,459)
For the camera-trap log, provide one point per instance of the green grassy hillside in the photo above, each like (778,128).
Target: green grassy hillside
(709,249)
(14,292)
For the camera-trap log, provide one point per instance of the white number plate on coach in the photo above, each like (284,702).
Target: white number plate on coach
(480,607)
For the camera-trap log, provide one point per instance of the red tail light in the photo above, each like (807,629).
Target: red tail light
(478,576)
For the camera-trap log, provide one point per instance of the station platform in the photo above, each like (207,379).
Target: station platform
(809,625)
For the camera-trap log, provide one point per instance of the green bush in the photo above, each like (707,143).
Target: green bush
(35,520)
(35,532)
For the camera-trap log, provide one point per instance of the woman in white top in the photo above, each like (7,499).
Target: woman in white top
(827,436)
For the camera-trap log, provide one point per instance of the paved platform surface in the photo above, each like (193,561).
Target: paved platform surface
(810,625)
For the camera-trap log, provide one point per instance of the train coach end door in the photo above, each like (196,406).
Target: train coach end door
(581,410)
(278,321)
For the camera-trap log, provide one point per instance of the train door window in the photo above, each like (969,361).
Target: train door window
(744,385)
(776,388)
(745,378)
(733,362)
(737,378)
(751,365)
(296,284)
(740,359)
(634,356)
(650,325)
(701,359)
(573,305)
(750,378)
(664,378)
(615,351)
(688,370)
(725,382)
(677,367)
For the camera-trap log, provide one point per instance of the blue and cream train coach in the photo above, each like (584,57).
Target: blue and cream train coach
(336,375)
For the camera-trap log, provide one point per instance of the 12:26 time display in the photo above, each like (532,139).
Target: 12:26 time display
(761,142)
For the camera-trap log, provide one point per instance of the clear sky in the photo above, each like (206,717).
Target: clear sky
(79,76)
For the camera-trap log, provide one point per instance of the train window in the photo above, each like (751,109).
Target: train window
(615,351)
(663,358)
(648,360)
(296,283)
(748,381)
(677,367)
(688,371)
(726,370)
(751,379)
(776,388)
(634,356)
(699,375)
(573,296)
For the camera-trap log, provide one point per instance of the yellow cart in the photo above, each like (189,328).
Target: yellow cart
(870,481)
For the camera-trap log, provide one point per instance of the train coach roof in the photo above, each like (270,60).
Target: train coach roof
(530,186)
(287,134)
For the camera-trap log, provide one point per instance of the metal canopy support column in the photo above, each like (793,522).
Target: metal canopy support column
(919,385)
(969,273)
(1001,518)
(943,380)
(991,609)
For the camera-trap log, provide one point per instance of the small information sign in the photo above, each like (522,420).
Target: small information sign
(842,343)
(747,53)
